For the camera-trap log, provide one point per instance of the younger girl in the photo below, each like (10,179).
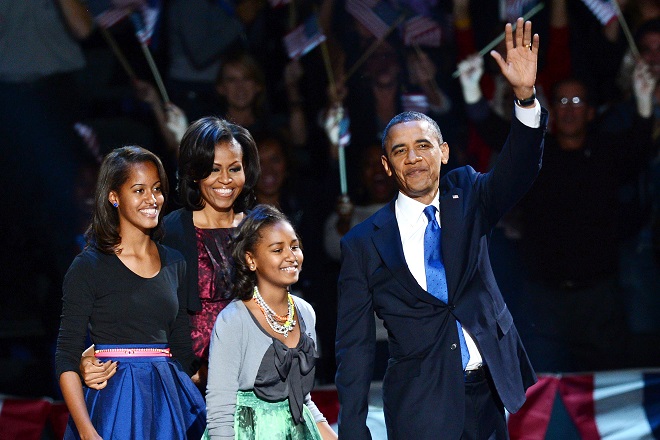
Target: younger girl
(263,344)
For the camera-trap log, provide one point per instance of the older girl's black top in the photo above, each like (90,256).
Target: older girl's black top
(120,307)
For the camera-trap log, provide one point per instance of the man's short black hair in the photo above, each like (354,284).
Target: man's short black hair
(408,117)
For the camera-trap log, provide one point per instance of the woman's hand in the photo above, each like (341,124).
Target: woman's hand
(95,373)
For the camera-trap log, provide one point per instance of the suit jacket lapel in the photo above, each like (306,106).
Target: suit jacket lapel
(451,209)
(387,241)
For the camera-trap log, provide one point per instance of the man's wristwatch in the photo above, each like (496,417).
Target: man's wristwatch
(526,102)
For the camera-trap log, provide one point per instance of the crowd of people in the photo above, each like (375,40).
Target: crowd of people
(577,255)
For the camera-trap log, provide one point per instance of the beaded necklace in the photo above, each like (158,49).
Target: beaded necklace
(280,324)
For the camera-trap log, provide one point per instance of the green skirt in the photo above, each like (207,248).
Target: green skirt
(256,419)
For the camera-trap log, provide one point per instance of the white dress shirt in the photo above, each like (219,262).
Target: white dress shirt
(412,224)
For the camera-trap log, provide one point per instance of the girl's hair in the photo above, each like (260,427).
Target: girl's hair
(246,240)
(103,232)
(196,156)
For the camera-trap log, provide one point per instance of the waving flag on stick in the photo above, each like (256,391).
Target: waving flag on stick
(144,15)
(604,10)
(377,16)
(106,13)
(415,102)
(337,126)
(510,10)
(421,31)
(304,38)
(532,12)
(145,19)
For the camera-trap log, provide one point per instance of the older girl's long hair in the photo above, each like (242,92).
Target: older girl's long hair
(103,232)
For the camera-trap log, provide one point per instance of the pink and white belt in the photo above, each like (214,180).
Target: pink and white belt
(132,352)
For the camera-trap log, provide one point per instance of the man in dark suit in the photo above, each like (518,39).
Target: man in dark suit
(455,360)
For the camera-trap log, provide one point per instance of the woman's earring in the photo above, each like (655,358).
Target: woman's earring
(115,204)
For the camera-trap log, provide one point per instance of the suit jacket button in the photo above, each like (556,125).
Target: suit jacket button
(452,306)
(453,346)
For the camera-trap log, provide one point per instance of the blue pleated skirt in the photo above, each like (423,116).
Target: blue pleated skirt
(148,398)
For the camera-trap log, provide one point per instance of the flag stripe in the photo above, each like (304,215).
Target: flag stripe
(603,10)
(304,38)
(652,401)
(377,17)
(618,398)
(518,8)
(533,419)
(110,17)
(414,102)
(145,20)
(576,392)
(421,30)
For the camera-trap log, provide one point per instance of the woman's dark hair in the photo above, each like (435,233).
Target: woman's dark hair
(196,156)
(103,232)
(246,240)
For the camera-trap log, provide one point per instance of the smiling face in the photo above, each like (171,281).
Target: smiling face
(139,199)
(221,188)
(277,257)
(414,155)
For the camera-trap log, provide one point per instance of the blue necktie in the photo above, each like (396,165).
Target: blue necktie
(436,279)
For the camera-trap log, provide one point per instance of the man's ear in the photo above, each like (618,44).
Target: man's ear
(386,165)
(444,150)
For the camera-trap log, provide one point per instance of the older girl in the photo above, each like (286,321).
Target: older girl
(126,289)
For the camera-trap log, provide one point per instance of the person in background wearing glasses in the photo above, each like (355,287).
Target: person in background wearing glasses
(574,317)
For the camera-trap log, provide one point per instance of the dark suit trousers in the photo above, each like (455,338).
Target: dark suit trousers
(484,412)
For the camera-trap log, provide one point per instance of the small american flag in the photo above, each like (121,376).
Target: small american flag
(337,126)
(344,131)
(510,10)
(105,13)
(602,9)
(304,38)
(89,138)
(414,102)
(421,31)
(145,20)
(377,16)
